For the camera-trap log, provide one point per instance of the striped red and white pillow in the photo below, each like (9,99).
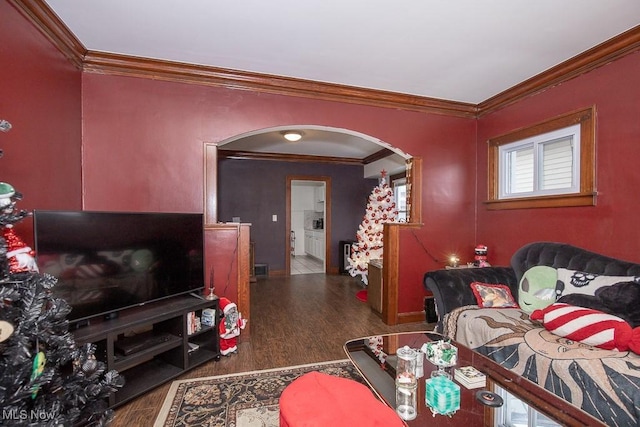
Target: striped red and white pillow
(588,326)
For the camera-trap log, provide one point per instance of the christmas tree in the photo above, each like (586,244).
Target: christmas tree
(46,378)
(381,208)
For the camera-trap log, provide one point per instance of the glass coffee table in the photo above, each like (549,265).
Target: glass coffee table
(375,358)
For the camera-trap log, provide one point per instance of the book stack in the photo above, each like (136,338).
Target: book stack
(470,377)
(193,323)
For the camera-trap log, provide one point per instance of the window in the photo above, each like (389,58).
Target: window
(400,195)
(516,413)
(546,165)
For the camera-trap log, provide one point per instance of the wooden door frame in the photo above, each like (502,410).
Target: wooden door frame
(327,216)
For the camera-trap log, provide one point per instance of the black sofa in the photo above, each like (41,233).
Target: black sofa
(603,383)
(451,288)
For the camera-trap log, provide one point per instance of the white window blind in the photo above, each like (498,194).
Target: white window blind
(557,164)
(541,165)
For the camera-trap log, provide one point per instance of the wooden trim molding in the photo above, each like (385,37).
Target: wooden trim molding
(244,274)
(587,194)
(43,18)
(108,63)
(241,257)
(414,190)
(412,317)
(390,273)
(282,157)
(589,60)
(210,183)
(39,13)
(378,155)
(391,276)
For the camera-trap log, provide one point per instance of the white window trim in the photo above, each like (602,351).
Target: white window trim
(537,142)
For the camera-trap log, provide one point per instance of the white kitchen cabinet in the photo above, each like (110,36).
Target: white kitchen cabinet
(319,199)
(314,244)
(308,242)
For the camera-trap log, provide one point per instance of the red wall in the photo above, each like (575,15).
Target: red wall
(103,142)
(99,142)
(40,96)
(610,227)
(143,150)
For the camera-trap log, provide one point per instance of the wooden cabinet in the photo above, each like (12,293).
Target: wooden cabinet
(151,344)
(375,285)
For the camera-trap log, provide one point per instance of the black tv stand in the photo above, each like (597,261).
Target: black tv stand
(144,341)
(112,315)
(159,354)
(80,324)
(195,295)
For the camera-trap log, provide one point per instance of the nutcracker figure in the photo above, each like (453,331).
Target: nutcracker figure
(481,257)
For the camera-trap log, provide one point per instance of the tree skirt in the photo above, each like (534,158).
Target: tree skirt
(238,400)
(362,295)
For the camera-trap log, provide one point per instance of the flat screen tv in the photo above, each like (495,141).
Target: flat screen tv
(109,261)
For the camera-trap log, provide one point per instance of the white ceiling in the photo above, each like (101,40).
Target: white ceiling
(457,50)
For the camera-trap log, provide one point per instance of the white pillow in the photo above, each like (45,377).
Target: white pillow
(580,282)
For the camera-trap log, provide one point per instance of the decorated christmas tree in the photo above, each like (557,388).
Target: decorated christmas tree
(46,378)
(381,208)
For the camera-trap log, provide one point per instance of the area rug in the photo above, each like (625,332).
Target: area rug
(246,399)
(362,295)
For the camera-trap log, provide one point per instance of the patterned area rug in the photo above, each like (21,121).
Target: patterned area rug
(240,400)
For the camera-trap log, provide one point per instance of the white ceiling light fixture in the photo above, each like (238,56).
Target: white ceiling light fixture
(292,135)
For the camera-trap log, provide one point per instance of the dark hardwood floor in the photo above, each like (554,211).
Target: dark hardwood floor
(294,320)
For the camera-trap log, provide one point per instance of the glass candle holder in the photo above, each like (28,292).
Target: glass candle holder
(406,383)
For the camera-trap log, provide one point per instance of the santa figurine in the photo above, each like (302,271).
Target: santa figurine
(19,256)
(481,257)
(230,326)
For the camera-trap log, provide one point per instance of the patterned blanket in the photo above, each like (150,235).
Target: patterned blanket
(604,383)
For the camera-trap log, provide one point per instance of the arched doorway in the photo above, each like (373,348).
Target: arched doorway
(378,158)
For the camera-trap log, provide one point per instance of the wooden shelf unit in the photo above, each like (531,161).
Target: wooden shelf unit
(147,368)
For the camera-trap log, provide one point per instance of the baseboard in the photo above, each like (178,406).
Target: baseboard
(280,273)
(277,273)
(412,317)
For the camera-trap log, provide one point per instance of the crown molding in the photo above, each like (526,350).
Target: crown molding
(44,19)
(378,155)
(38,12)
(109,63)
(254,155)
(602,54)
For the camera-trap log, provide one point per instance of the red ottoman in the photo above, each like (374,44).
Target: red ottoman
(317,399)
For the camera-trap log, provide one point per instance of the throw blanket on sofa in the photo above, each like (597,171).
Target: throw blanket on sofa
(604,383)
